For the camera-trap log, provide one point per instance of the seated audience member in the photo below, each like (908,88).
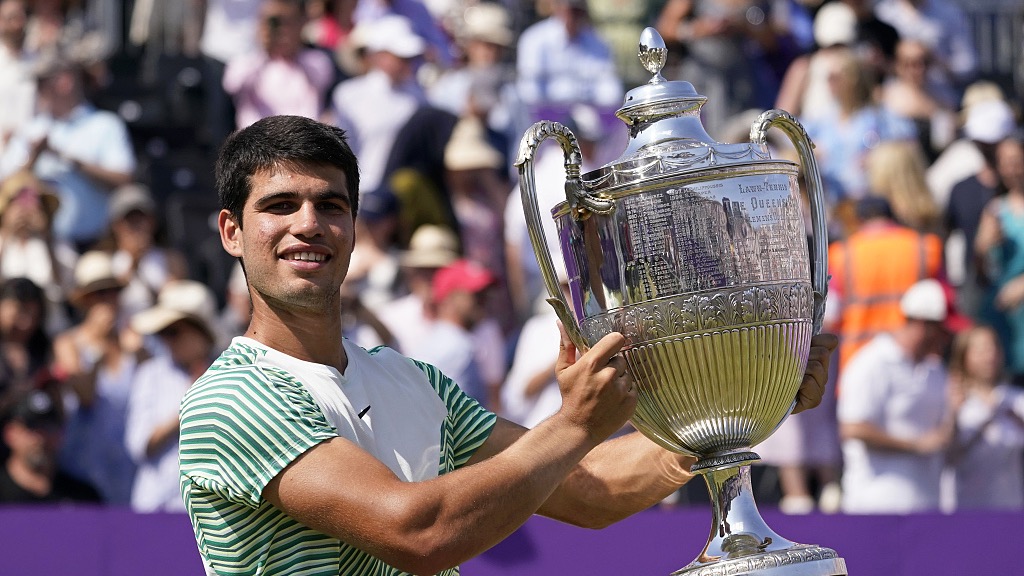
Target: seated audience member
(999,245)
(86,152)
(98,361)
(28,248)
(893,411)
(282,77)
(457,299)
(25,348)
(142,265)
(987,455)
(32,429)
(181,319)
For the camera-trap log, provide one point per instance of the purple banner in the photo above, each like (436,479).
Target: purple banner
(109,542)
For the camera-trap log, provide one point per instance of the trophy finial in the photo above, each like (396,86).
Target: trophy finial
(653,53)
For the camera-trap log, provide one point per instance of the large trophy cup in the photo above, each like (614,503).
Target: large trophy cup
(696,251)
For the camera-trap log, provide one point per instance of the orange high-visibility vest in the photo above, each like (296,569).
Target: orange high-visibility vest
(871,270)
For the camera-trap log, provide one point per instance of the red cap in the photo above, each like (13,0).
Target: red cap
(460,275)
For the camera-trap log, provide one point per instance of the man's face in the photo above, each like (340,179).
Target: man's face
(280,28)
(295,236)
(186,342)
(35,444)
(13,18)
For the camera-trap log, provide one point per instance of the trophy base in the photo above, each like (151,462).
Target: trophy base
(800,560)
(741,543)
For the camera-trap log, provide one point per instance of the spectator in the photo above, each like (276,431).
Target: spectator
(84,151)
(373,107)
(284,76)
(484,38)
(458,299)
(893,412)
(871,270)
(985,119)
(98,362)
(229,31)
(25,350)
(27,246)
(561,61)
(32,427)
(181,319)
(909,93)
(328,23)
(409,317)
(734,53)
(896,172)
(17,85)
(524,279)
(1000,244)
(530,393)
(478,194)
(373,267)
(844,136)
(987,455)
(804,90)
(142,266)
(988,122)
(941,26)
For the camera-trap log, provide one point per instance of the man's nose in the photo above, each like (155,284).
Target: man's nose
(307,220)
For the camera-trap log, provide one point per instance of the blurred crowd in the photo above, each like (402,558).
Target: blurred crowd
(115,294)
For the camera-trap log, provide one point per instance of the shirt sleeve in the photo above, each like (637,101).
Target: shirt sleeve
(468,424)
(239,429)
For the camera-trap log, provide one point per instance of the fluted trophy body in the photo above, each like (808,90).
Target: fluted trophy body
(697,252)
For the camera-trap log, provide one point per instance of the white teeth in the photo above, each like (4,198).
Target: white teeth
(306,256)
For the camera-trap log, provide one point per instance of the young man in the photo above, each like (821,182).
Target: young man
(302,453)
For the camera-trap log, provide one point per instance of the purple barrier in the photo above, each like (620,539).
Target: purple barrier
(109,542)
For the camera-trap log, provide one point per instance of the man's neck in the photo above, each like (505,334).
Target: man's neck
(306,335)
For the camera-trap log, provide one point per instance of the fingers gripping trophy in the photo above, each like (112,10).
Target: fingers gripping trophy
(696,251)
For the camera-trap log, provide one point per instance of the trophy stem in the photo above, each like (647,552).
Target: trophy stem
(742,543)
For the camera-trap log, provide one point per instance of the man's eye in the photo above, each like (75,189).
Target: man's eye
(333,207)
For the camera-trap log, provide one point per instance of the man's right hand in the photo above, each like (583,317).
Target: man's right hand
(598,393)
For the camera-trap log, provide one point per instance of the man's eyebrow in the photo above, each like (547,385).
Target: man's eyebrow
(291,195)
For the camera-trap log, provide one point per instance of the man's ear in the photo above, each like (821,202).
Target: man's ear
(230,233)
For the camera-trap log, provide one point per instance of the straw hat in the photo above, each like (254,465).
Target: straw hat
(128,198)
(431,247)
(468,149)
(488,22)
(94,271)
(24,180)
(178,300)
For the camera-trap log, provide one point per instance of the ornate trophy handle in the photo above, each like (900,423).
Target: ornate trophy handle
(804,147)
(580,201)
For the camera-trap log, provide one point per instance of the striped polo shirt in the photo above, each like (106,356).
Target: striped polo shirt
(256,410)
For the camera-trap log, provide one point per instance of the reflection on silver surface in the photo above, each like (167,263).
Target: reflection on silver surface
(696,252)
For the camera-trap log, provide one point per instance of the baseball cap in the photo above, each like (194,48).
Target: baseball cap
(128,198)
(33,408)
(394,34)
(925,300)
(989,121)
(178,300)
(378,204)
(462,274)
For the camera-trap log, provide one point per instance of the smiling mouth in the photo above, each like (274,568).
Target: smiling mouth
(305,256)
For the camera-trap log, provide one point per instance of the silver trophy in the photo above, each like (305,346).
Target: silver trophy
(697,252)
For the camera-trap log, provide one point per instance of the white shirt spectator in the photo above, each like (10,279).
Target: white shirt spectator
(372,111)
(229,28)
(882,386)
(557,70)
(157,390)
(87,135)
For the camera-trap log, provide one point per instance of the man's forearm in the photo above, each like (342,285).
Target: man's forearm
(617,479)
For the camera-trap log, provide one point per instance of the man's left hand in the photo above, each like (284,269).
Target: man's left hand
(812,388)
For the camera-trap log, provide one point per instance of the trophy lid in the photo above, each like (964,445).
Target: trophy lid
(661,99)
(666,135)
